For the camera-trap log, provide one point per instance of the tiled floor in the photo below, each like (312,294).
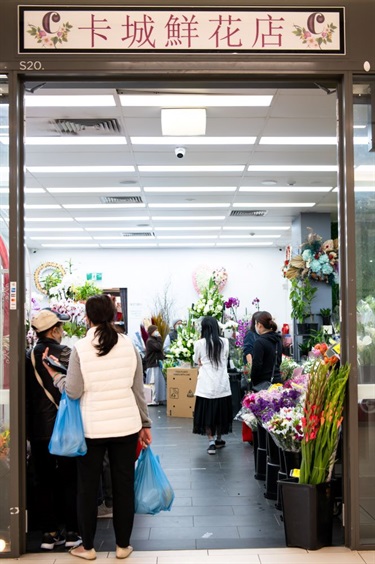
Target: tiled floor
(219,514)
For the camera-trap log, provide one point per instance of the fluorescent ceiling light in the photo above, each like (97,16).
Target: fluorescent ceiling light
(187,218)
(131,229)
(364,189)
(359,126)
(45,219)
(101,140)
(98,190)
(113,238)
(102,206)
(64,238)
(191,189)
(292,168)
(35,191)
(180,140)
(183,121)
(364,172)
(361,140)
(129,245)
(80,169)
(194,100)
(50,229)
(114,218)
(71,101)
(186,168)
(186,244)
(275,205)
(186,228)
(245,236)
(42,207)
(235,244)
(69,245)
(298,141)
(284,189)
(187,237)
(252,228)
(188,205)
(4,126)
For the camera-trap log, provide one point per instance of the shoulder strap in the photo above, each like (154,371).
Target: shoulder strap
(274,365)
(40,381)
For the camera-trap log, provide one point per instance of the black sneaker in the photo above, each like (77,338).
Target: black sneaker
(211,449)
(49,541)
(72,540)
(220,443)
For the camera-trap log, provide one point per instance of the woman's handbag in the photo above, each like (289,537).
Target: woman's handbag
(68,438)
(153,492)
(266,383)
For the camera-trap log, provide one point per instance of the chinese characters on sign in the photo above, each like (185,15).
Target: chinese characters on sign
(83,30)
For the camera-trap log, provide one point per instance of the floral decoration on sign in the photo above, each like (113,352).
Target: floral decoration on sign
(315,40)
(50,39)
(318,260)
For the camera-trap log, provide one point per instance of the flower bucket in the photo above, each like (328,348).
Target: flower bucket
(307,514)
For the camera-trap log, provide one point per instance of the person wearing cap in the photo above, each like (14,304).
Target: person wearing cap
(55,476)
(152,361)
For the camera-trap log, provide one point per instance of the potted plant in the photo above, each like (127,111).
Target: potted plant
(325,312)
(301,295)
(308,502)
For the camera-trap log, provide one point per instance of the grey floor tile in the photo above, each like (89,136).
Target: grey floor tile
(195,533)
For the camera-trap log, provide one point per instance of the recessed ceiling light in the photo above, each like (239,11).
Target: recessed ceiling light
(187,236)
(292,168)
(269,182)
(131,229)
(298,141)
(48,219)
(187,218)
(113,218)
(69,245)
(263,228)
(50,229)
(186,168)
(68,100)
(114,238)
(126,245)
(74,140)
(186,244)
(237,244)
(190,189)
(42,207)
(35,191)
(64,238)
(188,228)
(189,205)
(79,169)
(102,206)
(275,205)
(249,236)
(194,100)
(181,140)
(284,189)
(183,121)
(98,190)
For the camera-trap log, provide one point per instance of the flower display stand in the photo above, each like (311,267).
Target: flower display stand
(261,454)
(272,468)
(288,460)
(307,514)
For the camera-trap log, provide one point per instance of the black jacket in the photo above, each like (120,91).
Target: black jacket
(154,352)
(267,349)
(40,411)
(248,344)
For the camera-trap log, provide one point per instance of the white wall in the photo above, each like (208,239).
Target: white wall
(251,273)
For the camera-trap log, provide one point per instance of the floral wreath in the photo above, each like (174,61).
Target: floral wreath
(41,270)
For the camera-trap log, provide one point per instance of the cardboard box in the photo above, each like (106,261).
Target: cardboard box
(181,383)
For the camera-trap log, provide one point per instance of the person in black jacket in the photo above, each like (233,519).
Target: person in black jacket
(152,360)
(55,476)
(267,350)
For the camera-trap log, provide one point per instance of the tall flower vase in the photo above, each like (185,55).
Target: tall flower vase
(307,514)
(261,455)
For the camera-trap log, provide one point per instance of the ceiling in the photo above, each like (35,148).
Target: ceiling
(179,207)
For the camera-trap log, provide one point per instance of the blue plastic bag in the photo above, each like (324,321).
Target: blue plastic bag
(68,438)
(153,492)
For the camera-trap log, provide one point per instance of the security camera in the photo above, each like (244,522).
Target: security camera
(180,152)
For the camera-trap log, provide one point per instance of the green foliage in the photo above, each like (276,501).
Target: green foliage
(51,280)
(74,329)
(86,291)
(325,311)
(301,295)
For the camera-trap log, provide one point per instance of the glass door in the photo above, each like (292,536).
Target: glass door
(364,175)
(5,451)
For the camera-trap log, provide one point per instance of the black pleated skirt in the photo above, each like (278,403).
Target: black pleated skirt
(214,414)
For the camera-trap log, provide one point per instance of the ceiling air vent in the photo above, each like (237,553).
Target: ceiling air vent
(121,200)
(76,126)
(243,213)
(138,234)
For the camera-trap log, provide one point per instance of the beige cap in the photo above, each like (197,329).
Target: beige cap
(45,319)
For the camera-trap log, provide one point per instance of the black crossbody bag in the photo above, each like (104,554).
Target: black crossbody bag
(266,383)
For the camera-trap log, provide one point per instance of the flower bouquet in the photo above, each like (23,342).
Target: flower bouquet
(182,349)
(210,302)
(265,404)
(285,428)
(321,422)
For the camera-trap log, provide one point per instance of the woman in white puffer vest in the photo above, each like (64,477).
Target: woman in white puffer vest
(105,372)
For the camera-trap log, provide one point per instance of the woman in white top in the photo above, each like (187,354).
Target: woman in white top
(213,405)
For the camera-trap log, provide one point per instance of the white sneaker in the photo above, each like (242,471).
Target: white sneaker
(105,512)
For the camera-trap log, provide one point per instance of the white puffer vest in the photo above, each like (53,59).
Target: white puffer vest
(108,404)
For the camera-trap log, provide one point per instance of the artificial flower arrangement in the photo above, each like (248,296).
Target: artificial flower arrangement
(220,278)
(210,302)
(4,444)
(204,272)
(321,421)
(318,260)
(366,331)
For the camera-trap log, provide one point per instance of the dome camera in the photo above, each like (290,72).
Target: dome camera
(180,152)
